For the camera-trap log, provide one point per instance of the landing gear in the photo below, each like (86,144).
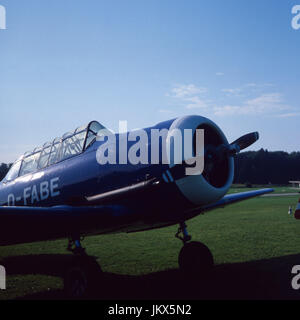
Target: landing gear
(194,258)
(81,274)
(75,246)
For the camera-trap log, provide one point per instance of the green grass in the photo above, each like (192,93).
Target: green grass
(256,231)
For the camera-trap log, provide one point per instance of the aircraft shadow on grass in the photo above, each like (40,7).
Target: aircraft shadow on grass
(262,279)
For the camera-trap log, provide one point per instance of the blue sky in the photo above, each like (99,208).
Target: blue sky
(64,63)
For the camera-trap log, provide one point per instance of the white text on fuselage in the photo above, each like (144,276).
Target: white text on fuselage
(36,193)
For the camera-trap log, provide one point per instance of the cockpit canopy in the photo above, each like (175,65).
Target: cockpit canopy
(65,147)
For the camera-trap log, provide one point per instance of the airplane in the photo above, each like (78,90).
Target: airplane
(60,191)
(295,185)
(297,211)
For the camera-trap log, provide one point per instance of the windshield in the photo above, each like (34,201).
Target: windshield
(13,172)
(65,147)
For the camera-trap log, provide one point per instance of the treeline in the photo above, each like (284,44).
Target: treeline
(254,167)
(264,167)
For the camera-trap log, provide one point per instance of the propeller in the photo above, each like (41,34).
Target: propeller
(242,143)
(217,154)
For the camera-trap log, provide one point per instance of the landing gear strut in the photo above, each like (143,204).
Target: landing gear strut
(75,246)
(183,229)
(81,274)
(194,257)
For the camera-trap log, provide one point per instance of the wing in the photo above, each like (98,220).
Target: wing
(28,224)
(233,198)
(96,215)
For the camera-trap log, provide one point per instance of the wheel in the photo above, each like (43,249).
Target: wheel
(81,277)
(195,259)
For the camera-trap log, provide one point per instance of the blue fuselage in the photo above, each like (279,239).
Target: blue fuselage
(70,196)
(71,181)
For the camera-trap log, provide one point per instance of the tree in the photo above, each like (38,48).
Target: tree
(263,167)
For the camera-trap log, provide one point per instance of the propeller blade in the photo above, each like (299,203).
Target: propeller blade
(243,142)
(215,154)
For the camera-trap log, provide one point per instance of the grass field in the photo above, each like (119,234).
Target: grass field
(255,245)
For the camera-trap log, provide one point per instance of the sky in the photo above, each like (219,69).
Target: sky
(65,63)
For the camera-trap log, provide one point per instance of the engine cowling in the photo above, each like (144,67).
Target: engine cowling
(218,171)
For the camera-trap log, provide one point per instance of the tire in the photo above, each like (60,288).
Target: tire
(195,259)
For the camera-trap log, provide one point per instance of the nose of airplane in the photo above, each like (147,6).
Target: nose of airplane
(216,177)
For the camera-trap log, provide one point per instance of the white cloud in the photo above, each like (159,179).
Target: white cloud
(235,91)
(288,115)
(251,101)
(265,103)
(247,89)
(269,103)
(226,110)
(184,91)
(196,102)
(190,95)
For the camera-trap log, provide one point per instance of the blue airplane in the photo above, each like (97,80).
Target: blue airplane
(60,190)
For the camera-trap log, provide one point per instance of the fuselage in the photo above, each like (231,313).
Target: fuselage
(70,182)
